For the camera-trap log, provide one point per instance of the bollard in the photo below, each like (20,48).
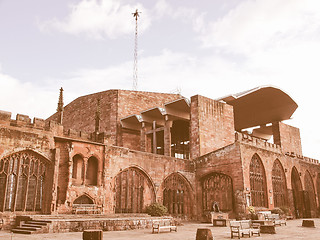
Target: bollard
(92,234)
(204,234)
(308,223)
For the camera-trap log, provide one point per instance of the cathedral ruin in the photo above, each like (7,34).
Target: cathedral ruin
(122,150)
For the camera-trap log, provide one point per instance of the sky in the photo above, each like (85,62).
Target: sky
(210,47)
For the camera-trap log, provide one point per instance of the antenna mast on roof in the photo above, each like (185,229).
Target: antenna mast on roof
(135,63)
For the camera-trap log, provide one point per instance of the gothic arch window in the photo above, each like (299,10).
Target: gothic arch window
(92,171)
(297,192)
(77,169)
(22,178)
(258,182)
(310,198)
(217,187)
(83,199)
(134,191)
(177,195)
(279,185)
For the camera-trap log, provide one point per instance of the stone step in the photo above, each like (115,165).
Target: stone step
(31,225)
(29,228)
(34,222)
(21,231)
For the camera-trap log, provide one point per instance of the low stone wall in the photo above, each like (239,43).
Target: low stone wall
(79,224)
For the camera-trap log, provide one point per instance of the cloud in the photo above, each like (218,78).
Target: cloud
(98,19)
(253,25)
(25,98)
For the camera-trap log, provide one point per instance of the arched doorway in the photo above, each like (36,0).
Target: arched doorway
(177,195)
(134,191)
(279,185)
(83,199)
(309,196)
(22,181)
(217,187)
(297,193)
(258,186)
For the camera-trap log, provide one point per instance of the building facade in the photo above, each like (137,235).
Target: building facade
(123,150)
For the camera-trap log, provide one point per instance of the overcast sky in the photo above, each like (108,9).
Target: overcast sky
(208,47)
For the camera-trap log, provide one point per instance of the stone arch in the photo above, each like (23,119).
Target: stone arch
(84,199)
(23,177)
(297,192)
(133,191)
(77,169)
(318,191)
(217,188)
(258,183)
(309,196)
(279,185)
(92,171)
(177,194)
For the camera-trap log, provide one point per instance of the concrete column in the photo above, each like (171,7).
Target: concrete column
(143,137)
(167,136)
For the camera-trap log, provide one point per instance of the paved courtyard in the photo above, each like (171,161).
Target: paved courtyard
(293,230)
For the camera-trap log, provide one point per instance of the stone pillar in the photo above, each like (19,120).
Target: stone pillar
(167,136)
(100,171)
(143,137)
(55,180)
(70,149)
(85,167)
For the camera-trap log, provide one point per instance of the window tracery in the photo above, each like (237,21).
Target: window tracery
(22,177)
(279,185)
(258,183)
(217,188)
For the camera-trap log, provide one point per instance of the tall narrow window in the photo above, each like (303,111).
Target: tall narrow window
(92,171)
(279,185)
(177,195)
(297,192)
(133,191)
(310,197)
(22,177)
(77,170)
(258,183)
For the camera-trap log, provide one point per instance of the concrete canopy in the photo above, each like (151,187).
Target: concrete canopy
(260,106)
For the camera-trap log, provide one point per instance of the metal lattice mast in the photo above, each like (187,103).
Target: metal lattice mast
(135,61)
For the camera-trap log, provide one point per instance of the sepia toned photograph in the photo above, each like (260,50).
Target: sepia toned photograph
(156,120)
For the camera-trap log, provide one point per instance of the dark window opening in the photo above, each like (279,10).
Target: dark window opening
(180,139)
(258,183)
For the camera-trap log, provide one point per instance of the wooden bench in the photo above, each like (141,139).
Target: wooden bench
(166,225)
(86,209)
(244,227)
(276,219)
